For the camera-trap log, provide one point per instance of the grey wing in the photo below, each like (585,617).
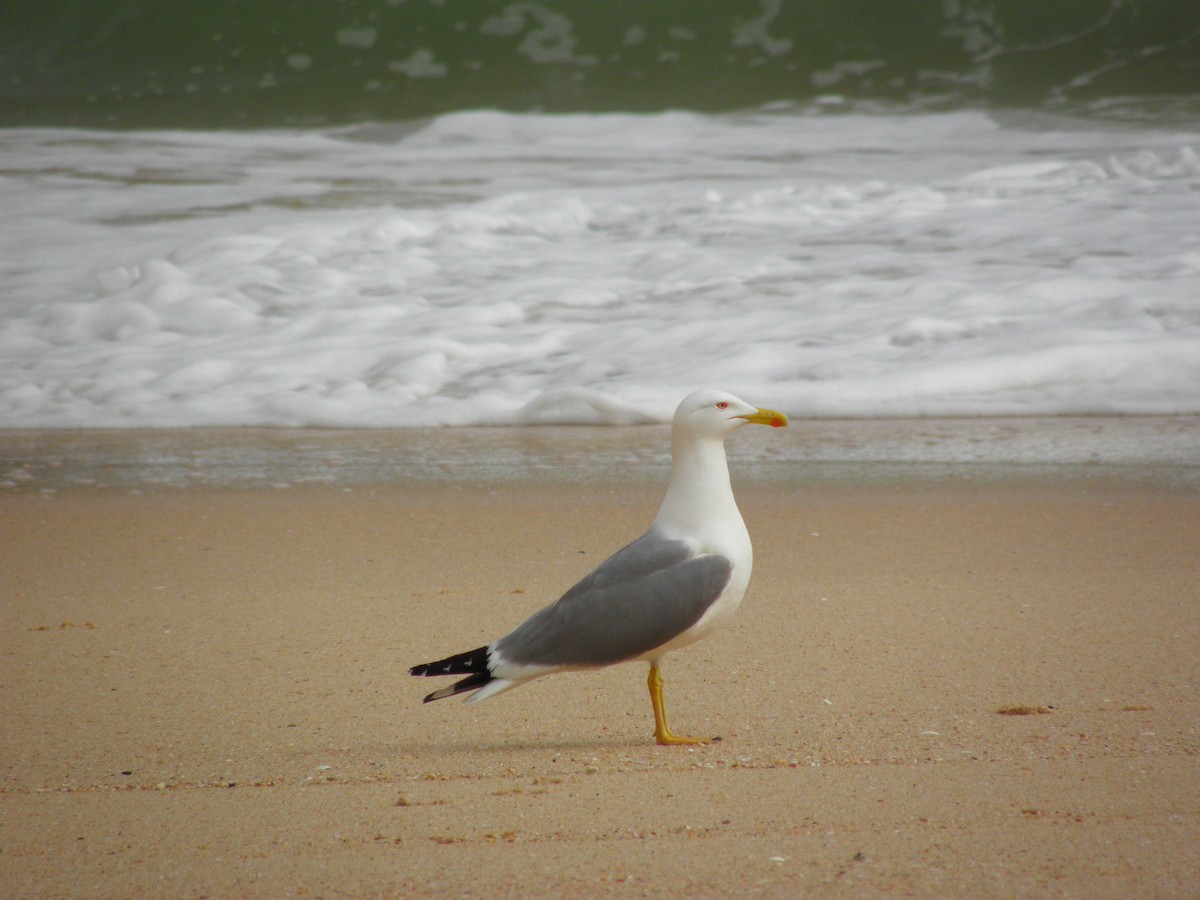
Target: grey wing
(640,598)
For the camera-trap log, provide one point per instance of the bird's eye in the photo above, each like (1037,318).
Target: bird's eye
(722,405)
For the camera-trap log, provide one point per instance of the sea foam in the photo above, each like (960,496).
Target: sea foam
(486,269)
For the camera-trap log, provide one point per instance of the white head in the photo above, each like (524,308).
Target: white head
(713,413)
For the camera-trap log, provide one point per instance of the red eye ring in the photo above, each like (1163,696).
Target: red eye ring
(722,405)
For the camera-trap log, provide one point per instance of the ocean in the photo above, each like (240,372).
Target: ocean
(222,64)
(392,214)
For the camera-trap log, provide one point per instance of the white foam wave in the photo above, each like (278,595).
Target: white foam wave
(496,269)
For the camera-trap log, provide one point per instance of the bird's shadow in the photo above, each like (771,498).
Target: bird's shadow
(604,743)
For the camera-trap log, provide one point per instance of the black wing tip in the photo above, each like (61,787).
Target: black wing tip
(470,663)
(474,664)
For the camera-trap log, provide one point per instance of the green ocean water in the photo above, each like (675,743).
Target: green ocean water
(268,63)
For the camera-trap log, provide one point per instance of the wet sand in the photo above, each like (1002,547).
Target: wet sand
(935,687)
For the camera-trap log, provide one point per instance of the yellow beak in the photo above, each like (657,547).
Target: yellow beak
(767,417)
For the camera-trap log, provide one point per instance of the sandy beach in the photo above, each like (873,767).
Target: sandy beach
(935,687)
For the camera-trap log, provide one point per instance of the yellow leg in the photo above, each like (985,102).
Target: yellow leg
(662,732)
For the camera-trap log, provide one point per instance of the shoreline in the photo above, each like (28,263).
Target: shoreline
(1159,450)
(206,691)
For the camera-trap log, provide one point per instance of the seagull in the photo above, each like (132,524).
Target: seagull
(667,589)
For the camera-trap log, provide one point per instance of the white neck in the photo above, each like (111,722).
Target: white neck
(699,492)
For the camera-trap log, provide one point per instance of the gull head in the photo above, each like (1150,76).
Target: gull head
(713,413)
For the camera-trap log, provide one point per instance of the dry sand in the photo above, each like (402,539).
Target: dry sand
(205,693)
